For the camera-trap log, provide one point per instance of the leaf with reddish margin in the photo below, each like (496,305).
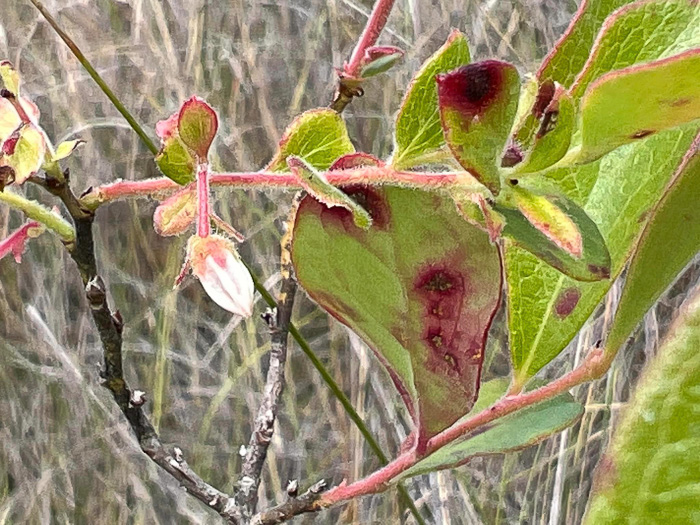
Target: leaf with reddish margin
(175,214)
(379,59)
(319,188)
(478,103)
(669,242)
(24,152)
(319,136)
(640,32)
(557,231)
(513,432)
(630,104)
(571,51)
(197,125)
(554,120)
(418,133)
(420,287)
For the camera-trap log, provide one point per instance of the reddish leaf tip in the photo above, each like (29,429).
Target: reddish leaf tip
(472,88)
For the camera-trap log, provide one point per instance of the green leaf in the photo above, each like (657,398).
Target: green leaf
(641,32)
(64,149)
(317,186)
(545,308)
(379,59)
(420,287)
(669,241)
(630,104)
(515,431)
(553,135)
(418,131)
(197,125)
(175,161)
(10,77)
(478,103)
(318,136)
(24,152)
(650,473)
(558,232)
(571,52)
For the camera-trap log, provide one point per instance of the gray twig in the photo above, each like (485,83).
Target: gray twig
(247,487)
(292,507)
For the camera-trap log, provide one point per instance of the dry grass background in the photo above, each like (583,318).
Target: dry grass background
(65,454)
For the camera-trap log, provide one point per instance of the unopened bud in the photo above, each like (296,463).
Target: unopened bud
(223,275)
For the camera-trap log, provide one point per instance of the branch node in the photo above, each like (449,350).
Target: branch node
(293,488)
(96,292)
(270,317)
(138,398)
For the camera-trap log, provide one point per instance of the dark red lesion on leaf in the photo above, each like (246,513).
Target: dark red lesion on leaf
(371,199)
(545,94)
(473,88)
(602,271)
(443,292)
(567,301)
(642,133)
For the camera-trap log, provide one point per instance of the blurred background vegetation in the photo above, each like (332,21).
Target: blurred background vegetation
(66,456)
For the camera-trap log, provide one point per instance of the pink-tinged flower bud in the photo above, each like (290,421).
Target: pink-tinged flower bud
(223,275)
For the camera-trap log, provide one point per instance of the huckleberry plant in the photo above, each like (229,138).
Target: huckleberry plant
(504,190)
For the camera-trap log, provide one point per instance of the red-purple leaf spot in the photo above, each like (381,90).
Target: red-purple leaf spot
(443,293)
(642,133)
(566,302)
(197,126)
(355,160)
(8,147)
(545,94)
(472,89)
(367,197)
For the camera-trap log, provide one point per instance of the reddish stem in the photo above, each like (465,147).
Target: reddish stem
(595,365)
(376,22)
(203,224)
(365,175)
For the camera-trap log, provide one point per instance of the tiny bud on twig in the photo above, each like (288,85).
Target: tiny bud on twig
(95,292)
(293,488)
(138,398)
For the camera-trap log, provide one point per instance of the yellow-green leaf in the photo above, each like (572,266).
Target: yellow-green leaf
(318,136)
(418,132)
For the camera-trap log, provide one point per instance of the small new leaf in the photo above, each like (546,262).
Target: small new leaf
(64,149)
(317,186)
(197,125)
(379,59)
(10,77)
(175,214)
(24,152)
